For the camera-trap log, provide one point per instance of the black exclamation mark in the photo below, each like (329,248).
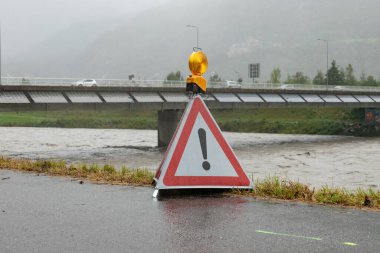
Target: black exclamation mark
(202,139)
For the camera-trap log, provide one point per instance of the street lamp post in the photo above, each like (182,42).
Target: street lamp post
(0,55)
(327,61)
(196,27)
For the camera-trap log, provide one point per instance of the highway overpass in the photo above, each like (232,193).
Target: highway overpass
(172,96)
(170,99)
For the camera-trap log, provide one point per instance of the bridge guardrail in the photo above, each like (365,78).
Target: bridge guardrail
(43,81)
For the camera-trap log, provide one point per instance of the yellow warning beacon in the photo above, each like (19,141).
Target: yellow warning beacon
(198,64)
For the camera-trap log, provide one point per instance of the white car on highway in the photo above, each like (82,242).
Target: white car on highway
(232,84)
(85,83)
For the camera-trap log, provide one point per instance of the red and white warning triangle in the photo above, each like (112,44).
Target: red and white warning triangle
(198,156)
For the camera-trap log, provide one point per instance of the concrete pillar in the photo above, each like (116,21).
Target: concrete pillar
(370,116)
(166,125)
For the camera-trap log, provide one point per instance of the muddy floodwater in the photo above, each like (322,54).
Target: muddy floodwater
(317,160)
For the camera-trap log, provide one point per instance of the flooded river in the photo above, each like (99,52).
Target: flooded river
(317,160)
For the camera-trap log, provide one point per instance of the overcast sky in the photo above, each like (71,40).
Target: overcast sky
(54,37)
(27,22)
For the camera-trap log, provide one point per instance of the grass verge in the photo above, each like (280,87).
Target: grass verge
(82,119)
(270,187)
(274,187)
(93,173)
(342,121)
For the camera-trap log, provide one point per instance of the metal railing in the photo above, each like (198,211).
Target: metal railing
(310,87)
(43,81)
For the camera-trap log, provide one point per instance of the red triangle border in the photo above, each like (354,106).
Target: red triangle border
(171,180)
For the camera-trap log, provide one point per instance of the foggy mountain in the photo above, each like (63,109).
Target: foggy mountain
(61,53)
(232,33)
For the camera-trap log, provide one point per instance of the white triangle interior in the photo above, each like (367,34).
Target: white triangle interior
(192,158)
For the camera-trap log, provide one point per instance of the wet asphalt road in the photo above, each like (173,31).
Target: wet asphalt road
(45,214)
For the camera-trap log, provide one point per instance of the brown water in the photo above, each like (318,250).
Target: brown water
(317,160)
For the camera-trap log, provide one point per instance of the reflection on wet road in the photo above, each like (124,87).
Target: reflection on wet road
(43,214)
(318,160)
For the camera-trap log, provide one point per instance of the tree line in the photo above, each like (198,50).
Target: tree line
(336,76)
